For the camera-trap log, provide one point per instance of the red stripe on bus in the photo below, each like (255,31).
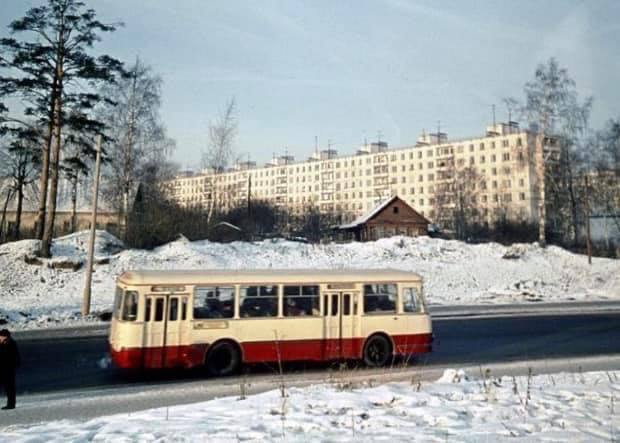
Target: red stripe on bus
(268,351)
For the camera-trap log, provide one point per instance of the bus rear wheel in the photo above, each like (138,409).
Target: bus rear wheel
(223,359)
(377,351)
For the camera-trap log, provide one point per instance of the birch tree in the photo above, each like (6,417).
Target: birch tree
(137,134)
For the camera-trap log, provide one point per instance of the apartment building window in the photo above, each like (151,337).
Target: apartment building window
(411,156)
(506,156)
(505,143)
(520,156)
(521,196)
(421,189)
(484,198)
(412,191)
(403,180)
(411,167)
(493,158)
(482,159)
(494,184)
(403,168)
(402,156)
(430,165)
(506,170)
(393,157)
(494,171)
(521,182)
(495,198)
(431,177)
(508,198)
(421,202)
(519,141)
(420,166)
(483,184)
(420,178)
(394,169)
(460,162)
(507,183)
(368,171)
(471,161)
(471,148)
(482,146)
(459,149)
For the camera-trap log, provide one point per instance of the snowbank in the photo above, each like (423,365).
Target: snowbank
(559,407)
(39,295)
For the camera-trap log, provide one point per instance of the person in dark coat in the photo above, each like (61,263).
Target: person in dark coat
(9,362)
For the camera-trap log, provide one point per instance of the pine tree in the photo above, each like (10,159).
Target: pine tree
(55,71)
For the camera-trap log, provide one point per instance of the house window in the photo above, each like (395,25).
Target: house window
(395,209)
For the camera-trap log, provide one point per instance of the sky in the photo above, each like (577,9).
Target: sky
(350,71)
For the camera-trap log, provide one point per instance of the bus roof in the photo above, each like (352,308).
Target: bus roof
(192,277)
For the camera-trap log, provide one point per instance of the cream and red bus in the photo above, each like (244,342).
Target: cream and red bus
(222,319)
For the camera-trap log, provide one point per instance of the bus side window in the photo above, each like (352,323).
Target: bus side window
(346,304)
(184,309)
(410,300)
(159,309)
(335,300)
(130,306)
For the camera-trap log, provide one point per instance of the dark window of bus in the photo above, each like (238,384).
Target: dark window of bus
(159,309)
(380,298)
(335,300)
(411,302)
(301,301)
(258,301)
(174,309)
(118,303)
(147,310)
(346,304)
(130,306)
(214,302)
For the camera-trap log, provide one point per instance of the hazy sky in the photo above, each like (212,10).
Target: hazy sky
(344,70)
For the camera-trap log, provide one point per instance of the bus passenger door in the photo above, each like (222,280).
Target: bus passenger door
(331,326)
(347,324)
(175,330)
(154,331)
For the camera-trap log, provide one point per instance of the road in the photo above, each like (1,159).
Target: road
(60,364)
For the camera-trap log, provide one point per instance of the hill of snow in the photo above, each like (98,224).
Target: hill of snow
(49,292)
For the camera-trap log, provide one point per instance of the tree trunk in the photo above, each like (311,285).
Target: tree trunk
(4,208)
(74,183)
(48,233)
(540,176)
(45,166)
(18,213)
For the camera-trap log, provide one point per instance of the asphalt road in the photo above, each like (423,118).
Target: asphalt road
(59,364)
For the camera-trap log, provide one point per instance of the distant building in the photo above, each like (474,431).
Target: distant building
(392,217)
(428,175)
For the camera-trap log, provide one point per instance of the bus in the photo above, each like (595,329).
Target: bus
(221,319)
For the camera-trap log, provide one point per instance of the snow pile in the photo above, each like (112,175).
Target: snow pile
(454,272)
(559,407)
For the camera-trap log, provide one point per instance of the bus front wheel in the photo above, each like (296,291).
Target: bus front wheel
(223,359)
(377,351)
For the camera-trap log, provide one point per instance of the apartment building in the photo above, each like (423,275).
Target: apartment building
(493,174)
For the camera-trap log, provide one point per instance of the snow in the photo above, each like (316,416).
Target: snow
(455,273)
(457,407)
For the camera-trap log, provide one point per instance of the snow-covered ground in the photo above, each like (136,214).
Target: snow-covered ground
(39,295)
(560,407)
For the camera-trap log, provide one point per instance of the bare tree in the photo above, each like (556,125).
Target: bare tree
(550,98)
(220,149)
(136,132)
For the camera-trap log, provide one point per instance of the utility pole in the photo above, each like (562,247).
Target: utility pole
(93,227)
